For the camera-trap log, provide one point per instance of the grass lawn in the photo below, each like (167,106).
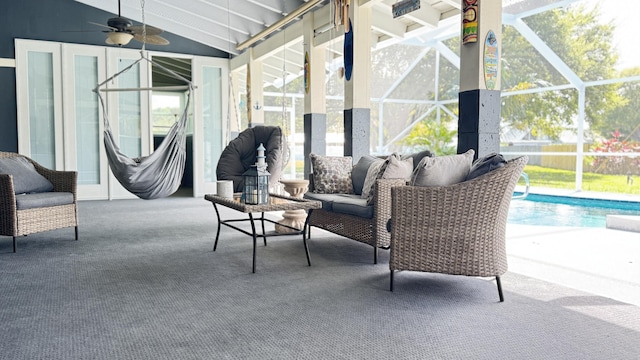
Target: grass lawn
(564,179)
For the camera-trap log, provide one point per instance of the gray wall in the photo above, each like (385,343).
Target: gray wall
(58,20)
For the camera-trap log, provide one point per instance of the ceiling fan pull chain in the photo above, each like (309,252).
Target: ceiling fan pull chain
(144,26)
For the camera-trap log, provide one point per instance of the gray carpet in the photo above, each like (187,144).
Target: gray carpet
(143,283)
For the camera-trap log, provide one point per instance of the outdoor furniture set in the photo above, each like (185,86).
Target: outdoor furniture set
(443,214)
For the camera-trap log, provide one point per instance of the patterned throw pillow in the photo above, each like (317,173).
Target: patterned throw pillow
(332,174)
(374,172)
(393,167)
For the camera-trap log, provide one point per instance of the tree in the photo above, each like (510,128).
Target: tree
(433,136)
(583,43)
(625,118)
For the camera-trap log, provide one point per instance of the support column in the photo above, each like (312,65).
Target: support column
(479,97)
(315,117)
(357,101)
(234,96)
(255,96)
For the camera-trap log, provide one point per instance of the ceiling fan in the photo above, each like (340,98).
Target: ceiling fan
(121,31)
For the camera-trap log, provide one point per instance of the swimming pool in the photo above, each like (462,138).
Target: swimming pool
(551,210)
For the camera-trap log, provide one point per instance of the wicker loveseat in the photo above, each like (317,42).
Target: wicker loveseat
(458,229)
(348,212)
(35,199)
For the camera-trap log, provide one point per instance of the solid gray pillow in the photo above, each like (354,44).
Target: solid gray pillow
(443,170)
(359,172)
(25,177)
(417,157)
(485,165)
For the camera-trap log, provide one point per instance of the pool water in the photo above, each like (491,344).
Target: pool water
(550,210)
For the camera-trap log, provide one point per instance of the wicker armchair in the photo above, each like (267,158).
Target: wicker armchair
(15,222)
(457,229)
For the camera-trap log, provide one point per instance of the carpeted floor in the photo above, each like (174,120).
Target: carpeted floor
(143,283)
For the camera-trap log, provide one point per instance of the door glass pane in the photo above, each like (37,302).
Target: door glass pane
(129,116)
(166,109)
(212,117)
(87,120)
(41,108)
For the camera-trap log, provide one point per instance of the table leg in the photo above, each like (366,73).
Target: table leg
(263,232)
(253,230)
(304,236)
(219,226)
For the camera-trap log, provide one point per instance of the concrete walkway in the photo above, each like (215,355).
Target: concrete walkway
(600,261)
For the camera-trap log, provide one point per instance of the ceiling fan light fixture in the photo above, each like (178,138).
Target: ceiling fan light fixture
(119,38)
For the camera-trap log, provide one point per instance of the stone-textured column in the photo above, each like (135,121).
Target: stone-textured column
(357,101)
(479,97)
(315,117)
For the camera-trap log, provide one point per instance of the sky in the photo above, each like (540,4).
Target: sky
(621,13)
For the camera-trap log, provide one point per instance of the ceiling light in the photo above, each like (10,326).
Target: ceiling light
(118,38)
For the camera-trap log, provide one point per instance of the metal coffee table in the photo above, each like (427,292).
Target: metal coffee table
(276,203)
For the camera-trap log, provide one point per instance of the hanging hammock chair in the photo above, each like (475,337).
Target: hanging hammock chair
(160,173)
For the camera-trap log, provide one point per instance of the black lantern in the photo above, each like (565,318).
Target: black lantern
(256,186)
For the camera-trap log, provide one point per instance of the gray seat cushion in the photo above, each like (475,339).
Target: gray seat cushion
(25,177)
(354,205)
(46,199)
(325,199)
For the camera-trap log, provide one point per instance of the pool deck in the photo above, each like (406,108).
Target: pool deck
(600,261)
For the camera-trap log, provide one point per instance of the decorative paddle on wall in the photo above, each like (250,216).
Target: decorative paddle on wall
(121,31)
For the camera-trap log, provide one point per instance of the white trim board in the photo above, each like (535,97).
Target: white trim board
(7,62)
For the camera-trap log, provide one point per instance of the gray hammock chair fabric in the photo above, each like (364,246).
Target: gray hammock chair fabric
(160,173)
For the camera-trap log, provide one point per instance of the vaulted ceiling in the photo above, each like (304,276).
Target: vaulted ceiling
(274,29)
(226,24)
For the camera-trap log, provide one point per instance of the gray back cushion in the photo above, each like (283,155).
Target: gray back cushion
(359,172)
(417,157)
(25,177)
(241,153)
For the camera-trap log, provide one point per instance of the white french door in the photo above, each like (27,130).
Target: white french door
(84,67)
(39,97)
(210,126)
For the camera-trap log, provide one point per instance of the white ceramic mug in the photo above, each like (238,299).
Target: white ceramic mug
(225,188)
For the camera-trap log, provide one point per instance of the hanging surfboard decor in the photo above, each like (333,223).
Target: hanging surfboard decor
(348,52)
(307,75)
(491,56)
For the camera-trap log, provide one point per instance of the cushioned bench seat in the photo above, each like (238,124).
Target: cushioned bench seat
(349,204)
(40,200)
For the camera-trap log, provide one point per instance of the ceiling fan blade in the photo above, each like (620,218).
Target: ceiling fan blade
(152,39)
(103,25)
(151,30)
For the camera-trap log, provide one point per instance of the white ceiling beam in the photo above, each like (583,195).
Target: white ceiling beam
(426,15)
(285,37)
(383,21)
